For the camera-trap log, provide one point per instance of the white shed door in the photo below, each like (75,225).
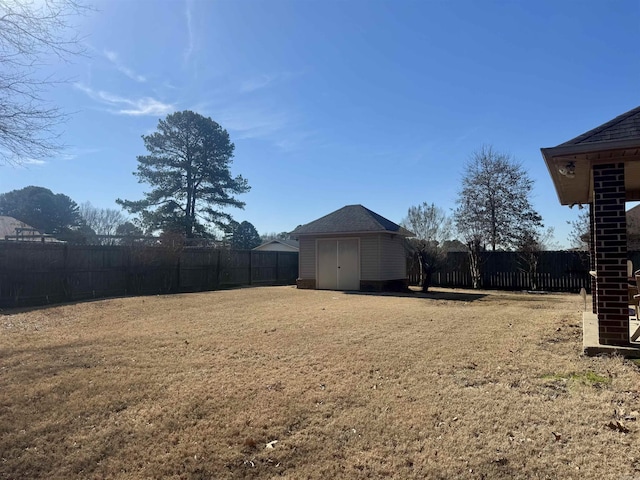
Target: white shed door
(338,264)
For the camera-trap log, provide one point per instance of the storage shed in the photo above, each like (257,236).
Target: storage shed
(352,248)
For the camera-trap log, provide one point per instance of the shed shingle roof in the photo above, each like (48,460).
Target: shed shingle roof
(351,219)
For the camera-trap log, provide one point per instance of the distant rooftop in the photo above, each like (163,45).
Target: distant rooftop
(288,241)
(20,231)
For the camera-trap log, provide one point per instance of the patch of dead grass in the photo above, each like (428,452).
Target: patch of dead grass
(453,384)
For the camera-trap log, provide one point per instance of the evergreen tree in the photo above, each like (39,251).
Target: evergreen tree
(245,237)
(188,168)
(40,208)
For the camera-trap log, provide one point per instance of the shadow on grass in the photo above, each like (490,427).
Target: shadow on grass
(453,296)
(12,310)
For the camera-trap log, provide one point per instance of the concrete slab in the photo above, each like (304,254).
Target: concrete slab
(591,342)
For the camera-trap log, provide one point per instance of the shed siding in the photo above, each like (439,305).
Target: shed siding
(307,258)
(382,256)
(393,263)
(369,255)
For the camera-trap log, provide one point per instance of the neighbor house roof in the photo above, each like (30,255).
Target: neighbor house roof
(633,228)
(8,226)
(633,217)
(290,243)
(351,219)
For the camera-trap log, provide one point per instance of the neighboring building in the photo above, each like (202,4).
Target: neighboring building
(633,229)
(352,249)
(279,245)
(14,230)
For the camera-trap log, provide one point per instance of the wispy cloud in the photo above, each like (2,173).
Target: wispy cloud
(188,51)
(32,161)
(470,132)
(122,68)
(73,153)
(256,83)
(250,122)
(127,106)
(265,80)
(293,140)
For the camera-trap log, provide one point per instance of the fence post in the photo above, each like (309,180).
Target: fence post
(218,268)
(277,267)
(66,281)
(179,269)
(250,268)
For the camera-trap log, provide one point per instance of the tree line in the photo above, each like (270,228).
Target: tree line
(188,169)
(60,216)
(493,212)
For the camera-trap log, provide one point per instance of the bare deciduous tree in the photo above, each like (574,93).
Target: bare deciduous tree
(579,234)
(530,245)
(493,205)
(103,221)
(432,228)
(274,236)
(30,32)
(472,234)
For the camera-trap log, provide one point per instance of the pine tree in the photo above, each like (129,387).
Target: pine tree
(188,167)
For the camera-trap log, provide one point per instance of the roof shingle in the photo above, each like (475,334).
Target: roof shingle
(623,127)
(351,219)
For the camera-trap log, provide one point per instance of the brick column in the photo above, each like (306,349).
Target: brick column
(610,248)
(592,262)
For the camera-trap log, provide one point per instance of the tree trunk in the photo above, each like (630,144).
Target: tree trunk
(474,264)
(426,272)
(533,273)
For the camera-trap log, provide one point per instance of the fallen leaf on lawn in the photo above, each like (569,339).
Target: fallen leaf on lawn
(618,425)
(271,444)
(249,442)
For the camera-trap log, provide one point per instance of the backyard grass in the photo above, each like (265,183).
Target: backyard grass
(275,382)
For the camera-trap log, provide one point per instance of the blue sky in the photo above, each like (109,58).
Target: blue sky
(331,103)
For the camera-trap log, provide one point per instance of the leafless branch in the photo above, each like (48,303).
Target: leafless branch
(31,32)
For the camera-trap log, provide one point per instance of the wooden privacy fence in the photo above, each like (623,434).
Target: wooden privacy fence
(36,274)
(557,271)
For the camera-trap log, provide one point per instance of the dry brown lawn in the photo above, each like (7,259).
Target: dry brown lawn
(278,382)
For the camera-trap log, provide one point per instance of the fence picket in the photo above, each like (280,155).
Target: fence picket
(557,271)
(37,273)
